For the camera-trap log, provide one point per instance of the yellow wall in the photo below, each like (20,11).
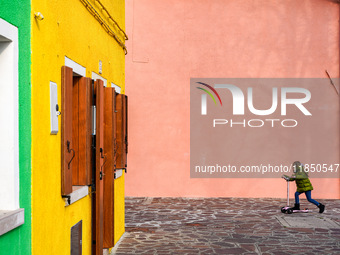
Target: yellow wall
(67,29)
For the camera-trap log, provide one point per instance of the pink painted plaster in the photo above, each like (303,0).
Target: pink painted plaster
(172,41)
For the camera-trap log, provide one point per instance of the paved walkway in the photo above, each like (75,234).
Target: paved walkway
(227,226)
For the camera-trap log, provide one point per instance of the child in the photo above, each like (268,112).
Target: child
(303,185)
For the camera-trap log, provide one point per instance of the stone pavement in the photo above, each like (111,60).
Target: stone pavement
(227,226)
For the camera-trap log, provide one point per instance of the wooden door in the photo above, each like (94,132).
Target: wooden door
(97,219)
(109,148)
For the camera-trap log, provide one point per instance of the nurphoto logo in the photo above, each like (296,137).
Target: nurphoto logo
(255,127)
(238,99)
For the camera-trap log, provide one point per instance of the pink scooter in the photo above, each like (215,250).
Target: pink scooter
(288,209)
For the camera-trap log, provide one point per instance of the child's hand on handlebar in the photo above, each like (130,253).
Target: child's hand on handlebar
(285,177)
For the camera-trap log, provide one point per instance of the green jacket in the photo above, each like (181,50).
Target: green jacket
(302,181)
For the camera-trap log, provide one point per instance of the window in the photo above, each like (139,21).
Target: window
(76,137)
(9,151)
(9,148)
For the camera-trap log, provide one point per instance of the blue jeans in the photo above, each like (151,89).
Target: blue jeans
(308,196)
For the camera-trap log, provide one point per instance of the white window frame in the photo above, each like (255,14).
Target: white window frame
(77,68)
(96,76)
(9,137)
(117,88)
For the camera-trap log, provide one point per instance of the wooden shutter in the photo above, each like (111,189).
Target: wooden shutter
(122,134)
(82,101)
(125,129)
(75,130)
(109,148)
(120,131)
(98,197)
(67,152)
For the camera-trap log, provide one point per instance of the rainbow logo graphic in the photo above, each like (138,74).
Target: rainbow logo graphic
(209,93)
(204,97)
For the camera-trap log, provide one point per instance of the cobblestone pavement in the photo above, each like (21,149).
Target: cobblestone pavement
(225,226)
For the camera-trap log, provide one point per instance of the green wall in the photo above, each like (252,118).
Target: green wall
(17,13)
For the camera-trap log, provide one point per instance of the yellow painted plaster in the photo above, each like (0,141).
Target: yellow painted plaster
(67,29)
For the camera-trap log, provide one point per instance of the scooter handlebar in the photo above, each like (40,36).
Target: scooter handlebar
(285,177)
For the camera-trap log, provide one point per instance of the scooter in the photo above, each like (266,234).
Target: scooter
(287,209)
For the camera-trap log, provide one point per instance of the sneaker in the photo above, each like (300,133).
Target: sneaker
(296,207)
(321,208)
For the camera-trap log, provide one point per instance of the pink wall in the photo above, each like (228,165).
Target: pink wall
(172,41)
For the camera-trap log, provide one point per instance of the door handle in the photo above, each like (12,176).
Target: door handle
(102,155)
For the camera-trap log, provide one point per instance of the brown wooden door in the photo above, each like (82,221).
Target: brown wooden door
(98,210)
(109,148)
